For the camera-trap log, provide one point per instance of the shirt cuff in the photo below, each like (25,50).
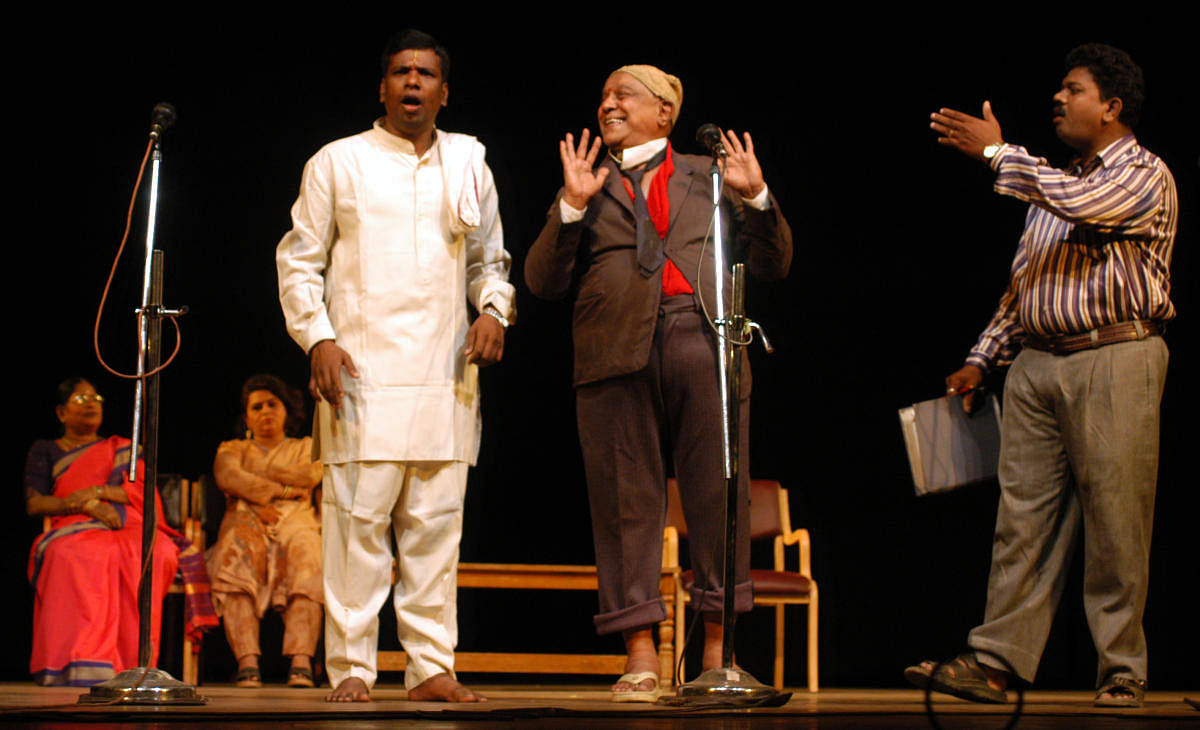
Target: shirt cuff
(762,201)
(569,213)
(979,360)
(316,334)
(499,295)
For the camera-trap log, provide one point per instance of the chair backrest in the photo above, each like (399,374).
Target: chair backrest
(766,499)
(172,489)
(766,521)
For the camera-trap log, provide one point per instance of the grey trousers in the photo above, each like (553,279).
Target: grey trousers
(1079,451)
(625,426)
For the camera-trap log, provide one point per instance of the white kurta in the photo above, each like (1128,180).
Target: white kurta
(385,251)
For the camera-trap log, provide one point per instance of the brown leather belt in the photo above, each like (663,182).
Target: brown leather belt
(1099,337)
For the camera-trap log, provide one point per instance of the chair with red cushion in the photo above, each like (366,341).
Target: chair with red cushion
(778,587)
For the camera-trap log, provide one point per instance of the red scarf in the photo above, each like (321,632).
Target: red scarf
(673,281)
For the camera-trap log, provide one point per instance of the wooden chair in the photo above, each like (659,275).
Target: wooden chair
(178,509)
(562,577)
(778,587)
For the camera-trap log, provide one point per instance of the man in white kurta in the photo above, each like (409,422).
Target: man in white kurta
(395,230)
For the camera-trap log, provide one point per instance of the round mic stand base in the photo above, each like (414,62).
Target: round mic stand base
(143,686)
(727,686)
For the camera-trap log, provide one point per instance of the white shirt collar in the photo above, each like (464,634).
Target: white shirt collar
(399,143)
(631,157)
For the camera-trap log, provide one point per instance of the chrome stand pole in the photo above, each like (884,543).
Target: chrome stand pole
(727,684)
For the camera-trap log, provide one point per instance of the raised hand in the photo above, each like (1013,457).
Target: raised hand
(580,181)
(965,133)
(742,172)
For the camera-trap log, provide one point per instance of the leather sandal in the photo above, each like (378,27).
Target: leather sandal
(960,677)
(248,678)
(1122,692)
(300,677)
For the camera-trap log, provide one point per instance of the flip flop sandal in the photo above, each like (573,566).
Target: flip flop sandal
(1122,692)
(300,677)
(960,677)
(637,695)
(248,678)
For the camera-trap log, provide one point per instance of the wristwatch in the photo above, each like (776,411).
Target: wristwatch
(489,309)
(990,151)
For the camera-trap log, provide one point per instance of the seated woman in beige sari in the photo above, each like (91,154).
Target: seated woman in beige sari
(269,551)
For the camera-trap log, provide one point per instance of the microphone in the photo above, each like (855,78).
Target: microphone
(709,135)
(161,119)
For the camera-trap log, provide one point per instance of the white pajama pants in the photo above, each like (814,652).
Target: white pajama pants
(423,504)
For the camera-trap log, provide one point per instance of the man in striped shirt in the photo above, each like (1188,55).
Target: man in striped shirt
(1080,323)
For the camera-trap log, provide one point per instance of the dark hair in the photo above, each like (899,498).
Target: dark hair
(67,388)
(291,398)
(412,39)
(1115,74)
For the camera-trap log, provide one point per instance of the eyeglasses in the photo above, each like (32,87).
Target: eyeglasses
(84,398)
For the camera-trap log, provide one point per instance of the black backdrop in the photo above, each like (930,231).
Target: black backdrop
(902,251)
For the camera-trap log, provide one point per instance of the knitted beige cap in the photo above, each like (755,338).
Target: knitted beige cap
(661,84)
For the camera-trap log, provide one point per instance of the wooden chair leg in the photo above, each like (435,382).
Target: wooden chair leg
(680,635)
(666,646)
(680,631)
(813,613)
(779,646)
(190,675)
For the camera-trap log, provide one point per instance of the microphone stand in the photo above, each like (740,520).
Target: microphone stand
(145,684)
(728,685)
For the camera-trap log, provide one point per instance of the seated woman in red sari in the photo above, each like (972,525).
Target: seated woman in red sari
(85,570)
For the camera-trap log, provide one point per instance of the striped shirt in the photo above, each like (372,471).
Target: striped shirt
(1096,249)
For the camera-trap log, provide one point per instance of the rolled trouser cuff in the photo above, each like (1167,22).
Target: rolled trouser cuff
(639,616)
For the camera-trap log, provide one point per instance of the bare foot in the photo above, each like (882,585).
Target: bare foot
(352,689)
(443,688)
(714,642)
(641,656)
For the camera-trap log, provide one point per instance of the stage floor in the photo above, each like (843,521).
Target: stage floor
(582,706)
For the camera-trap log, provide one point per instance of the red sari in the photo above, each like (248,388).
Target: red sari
(85,575)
